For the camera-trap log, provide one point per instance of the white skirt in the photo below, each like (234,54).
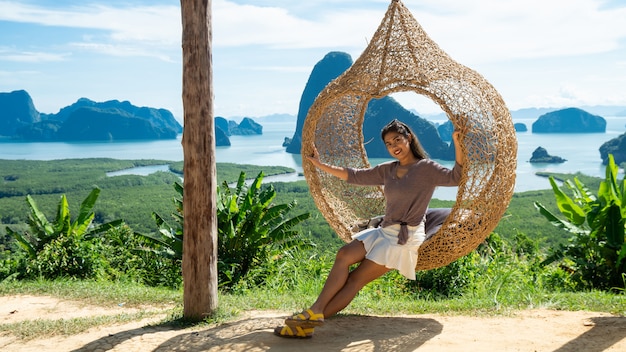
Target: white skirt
(381,247)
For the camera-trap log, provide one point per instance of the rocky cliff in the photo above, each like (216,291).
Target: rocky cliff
(16,111)
(541,155)
(379,112)
(615,146)
(328,68)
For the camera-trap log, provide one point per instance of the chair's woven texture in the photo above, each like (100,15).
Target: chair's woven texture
(401,57)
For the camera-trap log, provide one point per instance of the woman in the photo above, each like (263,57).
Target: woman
(409,183)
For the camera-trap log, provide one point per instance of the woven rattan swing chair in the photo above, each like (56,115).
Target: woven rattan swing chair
(402,58)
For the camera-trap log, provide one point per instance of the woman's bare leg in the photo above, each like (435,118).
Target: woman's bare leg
(365,273)
(342,285)
(347,255)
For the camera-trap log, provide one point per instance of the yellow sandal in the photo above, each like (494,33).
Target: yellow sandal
(313,319)
(294,332)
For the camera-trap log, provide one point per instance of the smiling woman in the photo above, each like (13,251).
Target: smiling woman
(401,57)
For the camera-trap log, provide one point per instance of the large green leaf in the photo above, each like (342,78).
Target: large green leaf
(614,228)
(23,242)
(565,225)
(582,192)
(63,221)
(102,228)
(574,213)
(38,217)
(86,215)
(611,178)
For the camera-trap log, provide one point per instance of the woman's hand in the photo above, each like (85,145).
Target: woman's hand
(459,155)
(315,157)
(336,171)
(455,136)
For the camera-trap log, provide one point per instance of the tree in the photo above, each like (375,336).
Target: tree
(200,227)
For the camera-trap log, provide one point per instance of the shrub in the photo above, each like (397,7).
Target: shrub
(596,253)
(63,248)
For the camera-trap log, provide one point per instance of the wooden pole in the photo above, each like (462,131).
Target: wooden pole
(200,182)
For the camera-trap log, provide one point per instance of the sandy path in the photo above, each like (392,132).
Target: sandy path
(530,330)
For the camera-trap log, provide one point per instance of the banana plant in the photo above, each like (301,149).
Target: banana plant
(251,229)
(597,222)
(168,238)
(43,231)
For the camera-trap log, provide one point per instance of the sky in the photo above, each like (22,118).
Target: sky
(536,53)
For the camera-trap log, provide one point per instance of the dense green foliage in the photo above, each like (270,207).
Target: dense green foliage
(597,248)
(168,240)
(76,248)
(61,248)
(252,230)
(509,261)
(132,198)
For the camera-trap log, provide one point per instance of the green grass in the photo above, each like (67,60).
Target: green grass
(377,299)
(105,294)
(43,328)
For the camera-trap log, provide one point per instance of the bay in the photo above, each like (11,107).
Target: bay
(580,150)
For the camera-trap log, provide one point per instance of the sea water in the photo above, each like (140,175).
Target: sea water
(580,150)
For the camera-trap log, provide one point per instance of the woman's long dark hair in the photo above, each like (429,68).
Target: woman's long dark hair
(403,129)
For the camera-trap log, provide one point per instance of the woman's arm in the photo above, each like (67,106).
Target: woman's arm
(459,156)
(336,171)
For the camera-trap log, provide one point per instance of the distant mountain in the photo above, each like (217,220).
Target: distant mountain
(379,112)
(268,118)
(16,111)
(160,118)
(571,120)
(84,120)
(246,127)
(225,128)
(88,123)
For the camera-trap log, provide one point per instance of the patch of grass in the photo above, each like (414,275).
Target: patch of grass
(104,294)
(42,328)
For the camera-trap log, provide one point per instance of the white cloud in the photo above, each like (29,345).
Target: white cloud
(123,51)
(487,30)
(140,25)
(27,56)
(503,29)
(238,25)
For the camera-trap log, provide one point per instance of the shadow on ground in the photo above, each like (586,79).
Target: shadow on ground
(605,333)
(341,333)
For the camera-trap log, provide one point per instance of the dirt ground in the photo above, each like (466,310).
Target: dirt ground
(530,330)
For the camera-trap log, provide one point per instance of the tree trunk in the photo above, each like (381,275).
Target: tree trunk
(199,203)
